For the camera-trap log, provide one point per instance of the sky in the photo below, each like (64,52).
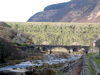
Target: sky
(22,10)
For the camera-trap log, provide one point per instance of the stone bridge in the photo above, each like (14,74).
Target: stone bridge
(50,47)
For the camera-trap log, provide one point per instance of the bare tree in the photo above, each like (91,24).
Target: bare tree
(7,50)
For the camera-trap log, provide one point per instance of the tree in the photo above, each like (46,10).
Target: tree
(7,50)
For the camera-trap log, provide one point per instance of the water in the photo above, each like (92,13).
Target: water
(49,60)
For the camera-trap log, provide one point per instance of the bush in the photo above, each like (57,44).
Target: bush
(7,50)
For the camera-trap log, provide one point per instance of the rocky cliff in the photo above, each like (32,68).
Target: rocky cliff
(73,11)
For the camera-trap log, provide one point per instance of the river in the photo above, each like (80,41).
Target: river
(49,60)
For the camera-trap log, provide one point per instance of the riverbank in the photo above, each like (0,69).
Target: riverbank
(95,60)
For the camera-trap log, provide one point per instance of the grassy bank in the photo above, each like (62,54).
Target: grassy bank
(89,64)
(97,61)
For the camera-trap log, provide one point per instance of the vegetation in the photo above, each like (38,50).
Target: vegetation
(7,51)
(58,33)
(97,61)
(10,34)
(18,44)
(7,33)
(89,65)
(4,24)
(58,73)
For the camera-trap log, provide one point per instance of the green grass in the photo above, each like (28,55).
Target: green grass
(58,73)
(89,64)
(97,61)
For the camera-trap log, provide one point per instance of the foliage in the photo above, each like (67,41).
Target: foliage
(91,47)
(58,33)
(58,73)
(10,34)
(7,33)
(97,61)
(15,43)
(18,44)
(91,70)
(7,51)
(4,24)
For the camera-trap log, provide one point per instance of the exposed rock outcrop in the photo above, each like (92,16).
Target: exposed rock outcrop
(73,11)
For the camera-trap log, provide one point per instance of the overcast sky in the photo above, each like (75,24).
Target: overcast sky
(22,10)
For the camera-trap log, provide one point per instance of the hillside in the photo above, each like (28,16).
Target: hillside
(10,39)
(73,11)
(58,33)
(12,35)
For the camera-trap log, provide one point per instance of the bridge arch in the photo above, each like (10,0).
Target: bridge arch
(59,49)
(55,49)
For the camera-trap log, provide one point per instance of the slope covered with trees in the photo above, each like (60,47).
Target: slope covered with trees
(58,33)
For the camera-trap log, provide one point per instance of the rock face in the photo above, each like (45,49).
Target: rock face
(73,11)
